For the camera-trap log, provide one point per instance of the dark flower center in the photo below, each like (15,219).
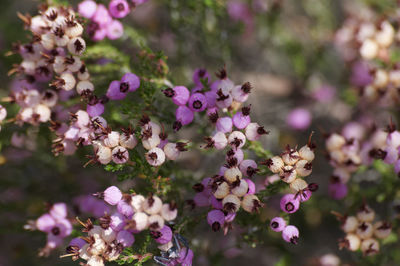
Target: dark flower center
(120,7)
(216,226)
(124,87)
(55,231)
(169,92)
(289,207)
(197,104)
(274,225)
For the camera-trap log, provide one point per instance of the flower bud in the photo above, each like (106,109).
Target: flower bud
(365,230)
(289,203)
(137,202)
(120,155)
(369,49)
(299,185)
(239,187)
(156,222)
(232,174)
(125,238)
(382,229)
(141,221)
(334,142)
(216,219)
(277,224)
(350,224)
(169,211)
(303,168)
(251,203)
(162,236)
(351,242)
(306,153)
(237,139)
(155,156)
(221,190)
(290,156)
(128,141)
(275,164)
(231,203)
(365,214)
(76,46)
(112,195)
(288,174)
(369,247)
(290,234)
(108,235)
(152,205)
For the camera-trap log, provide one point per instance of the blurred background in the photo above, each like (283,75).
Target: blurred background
(285,48)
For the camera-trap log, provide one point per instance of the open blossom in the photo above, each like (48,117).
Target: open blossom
(104,20)
(362,233)
(55,224)
(51,66)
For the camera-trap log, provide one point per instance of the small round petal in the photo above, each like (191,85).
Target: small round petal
(163,236)
(132,80)
(112,195)
(241,121)
(337,190)
(95,110)
(118,8)
(289,203)
(102,16)
(184,115)
(180,95)
(197,102)
(117,221)
(125,208)
(155,156)
(126,238)
(59,210)
(224,124)
(200,74)
(115,30)
(290,234)
(114,92)
(299,119)
(277,224)
(78,242)
(87,8)
(216,219)
(45,223)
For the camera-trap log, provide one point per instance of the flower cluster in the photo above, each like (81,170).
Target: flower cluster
(359,144)
(374,38)
(112,145)
(290,233)
(55,224)
(292,166)
(362,233)
(54,53)
(104,21)
(133,214)
(229,190)
(221,94)
(366,35)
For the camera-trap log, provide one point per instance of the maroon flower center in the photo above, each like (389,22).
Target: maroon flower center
(169,92)
(120,7)
(197,104)
(124,87)
(289,207)
(56,231)
(216,226)
(274,225)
